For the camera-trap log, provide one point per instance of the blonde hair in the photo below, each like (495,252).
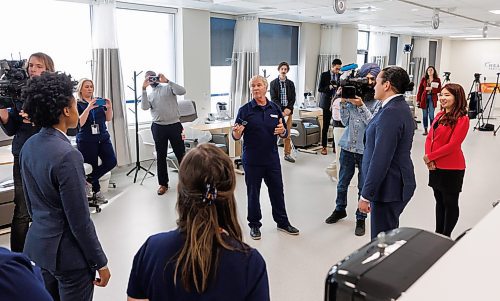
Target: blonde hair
(79,87)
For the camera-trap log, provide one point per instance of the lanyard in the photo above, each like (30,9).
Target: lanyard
(93,114)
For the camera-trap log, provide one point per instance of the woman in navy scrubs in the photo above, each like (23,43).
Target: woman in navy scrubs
(93,139)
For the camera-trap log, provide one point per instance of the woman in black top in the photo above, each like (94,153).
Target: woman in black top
(16,123)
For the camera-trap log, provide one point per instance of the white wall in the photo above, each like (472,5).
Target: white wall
(349,44)
(309,44)
(401,58)
(193,57)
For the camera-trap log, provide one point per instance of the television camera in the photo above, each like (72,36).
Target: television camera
(13,77)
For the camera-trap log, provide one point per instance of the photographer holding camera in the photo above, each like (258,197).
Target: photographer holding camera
(166,125)
(328,84)
(93,139)
(355,114)
(15,122)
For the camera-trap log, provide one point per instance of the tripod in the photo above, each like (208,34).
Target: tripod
(474,98)
(487,127)
(137,166)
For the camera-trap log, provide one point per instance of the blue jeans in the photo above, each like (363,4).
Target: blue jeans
(348,162)
(429,111)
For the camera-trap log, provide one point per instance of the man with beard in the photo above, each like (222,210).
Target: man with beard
(355,114)
(166,125)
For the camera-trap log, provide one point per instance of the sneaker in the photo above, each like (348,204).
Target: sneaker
(324,151)
(255,233)
(425,132)
(289,159)
(289,230)
(360,227)
(336,216)
(99,198)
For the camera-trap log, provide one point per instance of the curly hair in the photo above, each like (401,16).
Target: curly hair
(201,221)
(46,96)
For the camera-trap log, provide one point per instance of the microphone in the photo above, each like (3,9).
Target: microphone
(349,67)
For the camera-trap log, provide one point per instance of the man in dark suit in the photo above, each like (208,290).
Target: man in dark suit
(282,92)
(62,239)
(328,84)
(387,166)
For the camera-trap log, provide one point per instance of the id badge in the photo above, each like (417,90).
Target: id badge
(95,129)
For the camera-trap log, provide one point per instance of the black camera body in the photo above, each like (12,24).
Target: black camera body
(153,78)
(13,77)
(353,86)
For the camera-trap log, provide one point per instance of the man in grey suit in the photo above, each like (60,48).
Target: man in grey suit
(62,239)
(387,166)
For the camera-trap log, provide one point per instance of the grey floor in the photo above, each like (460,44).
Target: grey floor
(296,265)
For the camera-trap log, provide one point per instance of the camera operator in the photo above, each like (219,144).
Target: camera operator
(166,125)
(329,81)
(355,114)
(16,123)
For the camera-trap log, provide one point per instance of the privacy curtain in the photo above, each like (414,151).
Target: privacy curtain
(245,60)
(331,36)
(107,73)
(379,48)
(419,61)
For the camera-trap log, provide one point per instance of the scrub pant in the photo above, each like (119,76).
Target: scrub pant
(271,174)
(91,152)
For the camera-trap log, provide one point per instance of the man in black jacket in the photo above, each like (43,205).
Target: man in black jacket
(328,84)
(283,93)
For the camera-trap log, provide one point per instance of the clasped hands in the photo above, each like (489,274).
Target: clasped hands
(431,165)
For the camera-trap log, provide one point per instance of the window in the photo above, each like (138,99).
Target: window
(221,51)
(393,51)
(363,44)
(147,43)
(432,53)
(59,29)
(278,43)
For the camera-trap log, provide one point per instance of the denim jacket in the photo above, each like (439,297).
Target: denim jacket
(355,120)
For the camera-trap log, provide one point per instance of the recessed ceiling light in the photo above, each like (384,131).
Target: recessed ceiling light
(496,11)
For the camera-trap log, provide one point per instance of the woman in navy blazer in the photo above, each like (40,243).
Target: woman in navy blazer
(62,239)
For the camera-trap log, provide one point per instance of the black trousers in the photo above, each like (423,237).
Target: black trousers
(447,211)
(91,152)
(69,286)
(327,116)
(162,134)
(21,218)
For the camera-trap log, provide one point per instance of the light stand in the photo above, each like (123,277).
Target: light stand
(446,78)
(487,127)
(137,166)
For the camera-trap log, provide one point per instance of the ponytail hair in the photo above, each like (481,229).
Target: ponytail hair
(206,205)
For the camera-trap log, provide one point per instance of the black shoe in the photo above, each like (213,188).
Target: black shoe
(255,233)
(289,230)
(336,216)
(360,227)
(289,158)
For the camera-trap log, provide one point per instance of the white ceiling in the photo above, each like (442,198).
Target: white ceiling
(397,16)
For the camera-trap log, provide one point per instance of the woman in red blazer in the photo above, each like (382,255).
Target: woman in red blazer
(444,156)
(427,95)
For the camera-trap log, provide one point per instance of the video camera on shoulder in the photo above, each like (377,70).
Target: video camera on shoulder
(13,77)
(351,84)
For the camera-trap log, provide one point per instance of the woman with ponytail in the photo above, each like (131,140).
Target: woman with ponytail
(205,258)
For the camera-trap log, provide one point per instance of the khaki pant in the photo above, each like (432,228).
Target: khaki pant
(288,146)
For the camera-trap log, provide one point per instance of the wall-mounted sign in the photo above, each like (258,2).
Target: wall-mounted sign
(490,66)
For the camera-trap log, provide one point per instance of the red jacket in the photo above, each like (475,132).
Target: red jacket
(444,144)
(422,93)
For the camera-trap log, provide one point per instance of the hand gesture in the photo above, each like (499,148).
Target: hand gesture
(26,118)
(279,129)
(163,79)
(145,84)
(92,105)
(431,165)
(287,112)
(238,130)
(103,279)
(108,105)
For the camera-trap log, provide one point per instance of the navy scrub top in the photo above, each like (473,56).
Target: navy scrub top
(239,276)
(96,115)
(260,146)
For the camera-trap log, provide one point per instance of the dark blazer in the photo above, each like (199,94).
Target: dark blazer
(325,100)
(387,166)
(62,236)
(274,89)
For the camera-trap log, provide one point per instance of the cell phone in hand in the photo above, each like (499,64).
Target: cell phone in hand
(101,102)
